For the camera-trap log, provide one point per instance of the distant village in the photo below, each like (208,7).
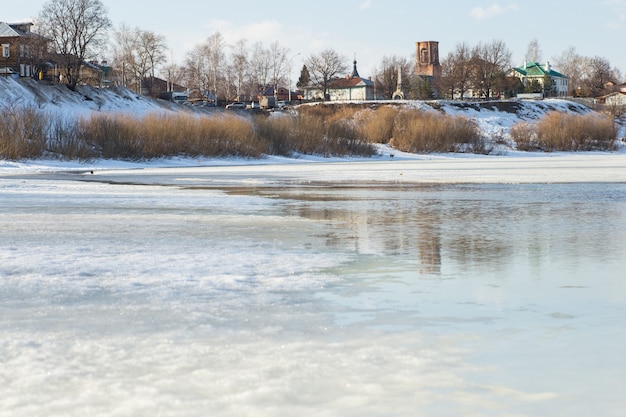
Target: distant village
(26,54)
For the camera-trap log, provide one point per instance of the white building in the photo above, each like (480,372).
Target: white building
(351,87)
(531,71)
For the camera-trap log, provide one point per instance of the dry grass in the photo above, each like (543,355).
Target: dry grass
(164,135)
(418,131)
(525,136)
(377,126)
(313,133)
(23,133)
(566,132)
(328,130)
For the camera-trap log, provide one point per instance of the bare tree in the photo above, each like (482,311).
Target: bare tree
(173,74)
(387,76)
(601,74)
(533,52)
(153,47)
(123,44)
(239,63)
(490,63)
(260,66)
(278,61)
(205,65)
(325,66)
(588,76)
(137,53)
(456,71)
(77,29)
(214,51)
(569,63)
(196,74)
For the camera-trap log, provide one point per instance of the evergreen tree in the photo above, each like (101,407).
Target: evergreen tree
(305,77)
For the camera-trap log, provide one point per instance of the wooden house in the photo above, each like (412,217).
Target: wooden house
(22,50)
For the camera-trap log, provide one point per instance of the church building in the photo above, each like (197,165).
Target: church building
(350,87)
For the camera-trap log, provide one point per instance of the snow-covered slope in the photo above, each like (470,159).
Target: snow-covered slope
(493,117)
(57,98)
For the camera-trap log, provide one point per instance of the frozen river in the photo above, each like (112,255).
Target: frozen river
(422,288)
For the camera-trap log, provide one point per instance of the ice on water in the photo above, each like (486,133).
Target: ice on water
(341,289)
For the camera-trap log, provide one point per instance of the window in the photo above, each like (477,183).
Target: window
(5,50)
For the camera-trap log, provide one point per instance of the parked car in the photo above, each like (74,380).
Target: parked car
(236,105)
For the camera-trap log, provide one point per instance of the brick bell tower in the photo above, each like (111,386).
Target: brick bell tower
(427,59)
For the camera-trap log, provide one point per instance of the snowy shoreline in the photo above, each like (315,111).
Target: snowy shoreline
(400,168)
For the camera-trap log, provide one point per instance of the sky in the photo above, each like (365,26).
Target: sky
(369,30)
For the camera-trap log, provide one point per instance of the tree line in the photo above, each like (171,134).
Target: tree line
(485,68)
(216,70)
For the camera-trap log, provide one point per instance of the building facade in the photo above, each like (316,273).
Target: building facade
(531,71)
(350,87)
(22,50)
(427,59)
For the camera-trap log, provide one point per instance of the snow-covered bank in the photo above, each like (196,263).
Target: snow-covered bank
(493,118)
(401,169)
(58,99)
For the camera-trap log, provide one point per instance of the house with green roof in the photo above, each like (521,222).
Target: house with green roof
(551,82)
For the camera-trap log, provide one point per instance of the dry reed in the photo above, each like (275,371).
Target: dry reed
(566,132)
(23,133)
(425,132)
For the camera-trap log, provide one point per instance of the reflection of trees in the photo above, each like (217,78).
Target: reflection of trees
(480,237)
(466,232)
(480,228)
(383,228)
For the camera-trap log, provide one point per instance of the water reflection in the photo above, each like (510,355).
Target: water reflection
(472,227)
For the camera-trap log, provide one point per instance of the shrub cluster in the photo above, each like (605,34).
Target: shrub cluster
(311,133)
(30,133)
(425,132)
(409,130)
(339,130)
(22,132)
(566,132)
(165,135)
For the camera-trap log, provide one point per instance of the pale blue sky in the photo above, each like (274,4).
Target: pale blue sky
(372,29)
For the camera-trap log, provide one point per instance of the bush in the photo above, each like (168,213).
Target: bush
(566,132)
(65,140)
(525,136)
(165,135)
(275,134)
(418,131)
(23,133)
(378,125)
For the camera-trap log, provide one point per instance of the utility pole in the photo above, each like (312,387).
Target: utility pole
(291,59)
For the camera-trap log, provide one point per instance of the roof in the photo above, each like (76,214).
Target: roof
(6,31)
(14,30)
(614,93)
(350,82)
(532,69)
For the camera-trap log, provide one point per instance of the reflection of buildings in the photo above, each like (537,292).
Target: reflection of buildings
(429,246)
